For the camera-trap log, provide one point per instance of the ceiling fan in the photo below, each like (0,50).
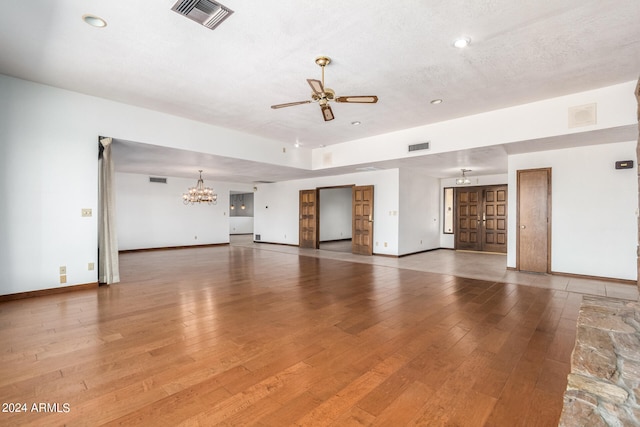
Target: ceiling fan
(322,95)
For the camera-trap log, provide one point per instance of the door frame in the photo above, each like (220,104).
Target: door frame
(317,213)
(549,221)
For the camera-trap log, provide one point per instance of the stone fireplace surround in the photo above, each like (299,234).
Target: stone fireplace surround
(604,384)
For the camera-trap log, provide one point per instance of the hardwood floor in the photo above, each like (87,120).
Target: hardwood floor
(238,336)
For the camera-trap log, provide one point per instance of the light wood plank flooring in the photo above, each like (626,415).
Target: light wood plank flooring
(241,336)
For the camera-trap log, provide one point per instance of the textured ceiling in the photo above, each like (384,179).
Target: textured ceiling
(149,56)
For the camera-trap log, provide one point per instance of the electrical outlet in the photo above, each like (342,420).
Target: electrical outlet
(63,269)
(86,212)
(63,278)
(385,244)
(91,266)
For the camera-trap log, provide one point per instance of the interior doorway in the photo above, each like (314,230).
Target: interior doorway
(361,218)
(241,213)
(481,218)
(335,222)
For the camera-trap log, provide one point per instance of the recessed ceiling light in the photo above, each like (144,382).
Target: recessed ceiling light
(94,21)
(462,42)
(436,101)
(355,123)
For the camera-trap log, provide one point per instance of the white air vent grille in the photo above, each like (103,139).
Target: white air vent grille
(368,169)
(422,146)
(157,180)
(204,12)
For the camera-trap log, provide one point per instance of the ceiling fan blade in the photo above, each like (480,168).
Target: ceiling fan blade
(327,113)
(316,85)
(359,99)
(289,104)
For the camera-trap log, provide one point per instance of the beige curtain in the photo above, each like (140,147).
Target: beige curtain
(108,267)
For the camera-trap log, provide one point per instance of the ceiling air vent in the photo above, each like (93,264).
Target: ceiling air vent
(422,146)
(157,180)
(204,12)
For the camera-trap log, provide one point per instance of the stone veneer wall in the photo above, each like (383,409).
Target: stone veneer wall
(604,384)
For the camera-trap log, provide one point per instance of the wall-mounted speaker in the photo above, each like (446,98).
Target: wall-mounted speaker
(327,159)
(582,115)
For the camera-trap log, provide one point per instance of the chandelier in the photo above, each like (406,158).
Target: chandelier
(200,194)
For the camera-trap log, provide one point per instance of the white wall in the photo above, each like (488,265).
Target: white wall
(448,240)
(594,208)
(241,225)
(48,173)
(616,106)
(152,215)
(276,207)
(49,145)
(335,213)
(419,213)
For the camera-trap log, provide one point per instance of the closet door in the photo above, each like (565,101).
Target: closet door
(534,210)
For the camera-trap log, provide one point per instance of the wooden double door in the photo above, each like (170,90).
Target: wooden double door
(481,218)
(362,219)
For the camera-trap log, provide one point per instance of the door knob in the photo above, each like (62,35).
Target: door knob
(523,226)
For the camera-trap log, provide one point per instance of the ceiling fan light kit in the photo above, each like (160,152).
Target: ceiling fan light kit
(323,95)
